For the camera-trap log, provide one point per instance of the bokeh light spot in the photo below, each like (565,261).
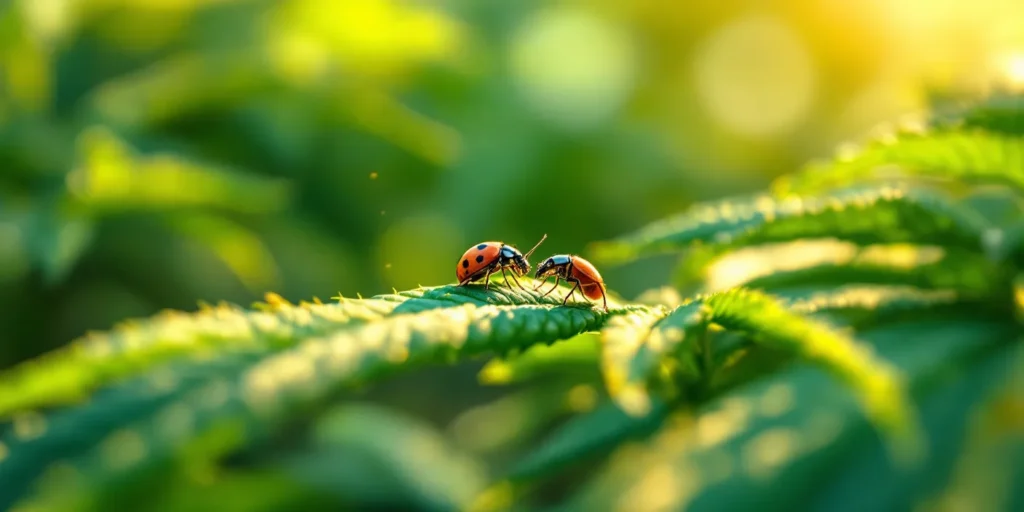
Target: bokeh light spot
(778,400)
(574,69)
(123,448)
(659,488)
(582,398)
(719,426)
(48,19)
(768,451)
(1014,69)
(29,425)
(755,77)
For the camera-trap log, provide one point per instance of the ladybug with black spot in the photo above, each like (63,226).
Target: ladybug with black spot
(483,259)
(576,270)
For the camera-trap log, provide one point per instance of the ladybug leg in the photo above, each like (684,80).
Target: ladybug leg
(576,284)
(604,298)
(552,288)
(487,280)
(506,276)
(514,279)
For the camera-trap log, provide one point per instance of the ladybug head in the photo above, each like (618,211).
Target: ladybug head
(555,265)
(521,261)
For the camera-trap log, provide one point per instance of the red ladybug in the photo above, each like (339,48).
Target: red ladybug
(485,258)
(575,270)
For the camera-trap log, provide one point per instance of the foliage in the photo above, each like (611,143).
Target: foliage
(886,358)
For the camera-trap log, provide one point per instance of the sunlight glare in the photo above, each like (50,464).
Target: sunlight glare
(756,77)
(1014,69)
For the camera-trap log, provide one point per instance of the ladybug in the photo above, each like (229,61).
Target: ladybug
(484,258)
(576,270)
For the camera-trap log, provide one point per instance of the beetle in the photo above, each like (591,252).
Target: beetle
(485,258)
(576,270)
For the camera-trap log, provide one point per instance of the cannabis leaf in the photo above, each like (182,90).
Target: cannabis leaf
(832,336)
(889,214)
(267,364)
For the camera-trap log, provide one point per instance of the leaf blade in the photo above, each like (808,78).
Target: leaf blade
(889,214)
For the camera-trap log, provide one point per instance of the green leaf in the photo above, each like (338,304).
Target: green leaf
(770,442)
(513,420)
(869,305)
(36,441)
(943,414)
(374,457)
(230,491)
(878,384)
(1012,243)
(245,403)
(880,215)
(991,462)
(238,247)
(167,89)
(965,274)
(578,355)
(963,155)
(57,240)
(72,373)
(1002,112)
(585,437)
(828,263)
(635,346)
(111,178)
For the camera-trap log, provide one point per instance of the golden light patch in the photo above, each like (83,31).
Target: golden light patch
(123,448)
(764,454)
(581,398)
(29,425)
(777,401)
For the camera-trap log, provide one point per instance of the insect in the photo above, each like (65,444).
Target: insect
(485,258)
(576,270)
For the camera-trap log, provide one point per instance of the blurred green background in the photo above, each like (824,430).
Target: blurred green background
(157,153)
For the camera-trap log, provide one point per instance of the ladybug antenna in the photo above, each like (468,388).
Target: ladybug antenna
(527,255)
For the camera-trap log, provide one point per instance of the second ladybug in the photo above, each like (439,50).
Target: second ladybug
(485,258)
(576,270)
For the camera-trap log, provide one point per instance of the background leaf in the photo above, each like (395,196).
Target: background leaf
(160,154)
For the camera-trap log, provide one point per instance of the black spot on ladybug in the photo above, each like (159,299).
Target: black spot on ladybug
(480,248)
(465,263)
(480,258)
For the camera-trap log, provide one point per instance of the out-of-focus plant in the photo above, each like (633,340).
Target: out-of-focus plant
(849,340)
(120,155)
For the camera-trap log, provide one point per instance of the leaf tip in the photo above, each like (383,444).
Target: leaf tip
(276,301)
